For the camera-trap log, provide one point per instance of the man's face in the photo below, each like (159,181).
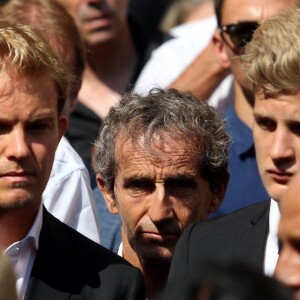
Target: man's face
(288,266)
(247,10)
(276,132)
(98,20)
(30,130)
(157,196)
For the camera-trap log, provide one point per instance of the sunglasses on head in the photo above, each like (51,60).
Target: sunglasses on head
(239,33)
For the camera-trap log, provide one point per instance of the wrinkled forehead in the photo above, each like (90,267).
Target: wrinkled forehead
(158,146)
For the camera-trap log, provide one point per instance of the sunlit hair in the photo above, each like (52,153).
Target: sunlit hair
(7,279)
(24,51)
(272,59)
(57,24)
(164,116)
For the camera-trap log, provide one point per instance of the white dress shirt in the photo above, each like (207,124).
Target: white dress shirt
(271,251)
(22,254)
(68,195)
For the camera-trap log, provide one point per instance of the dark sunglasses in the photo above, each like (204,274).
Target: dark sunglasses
(240,33)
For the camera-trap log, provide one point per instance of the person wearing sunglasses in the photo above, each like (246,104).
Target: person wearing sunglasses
(237,21)
(249,235)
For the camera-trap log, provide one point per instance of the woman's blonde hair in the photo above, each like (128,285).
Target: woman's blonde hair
(7,279)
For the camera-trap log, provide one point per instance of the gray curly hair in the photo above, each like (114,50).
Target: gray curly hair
(165,114)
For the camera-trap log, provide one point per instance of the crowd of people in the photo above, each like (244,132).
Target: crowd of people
(149,149)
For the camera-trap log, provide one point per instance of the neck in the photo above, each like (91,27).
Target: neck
(109,69)
(114,61)
(243,104)
(155,275)
(15,224)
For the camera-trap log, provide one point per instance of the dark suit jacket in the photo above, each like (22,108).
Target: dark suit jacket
(238,237)
(70,266)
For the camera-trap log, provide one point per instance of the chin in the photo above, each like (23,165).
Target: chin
(16,204)
(277,193)
(99,38)
(157,256)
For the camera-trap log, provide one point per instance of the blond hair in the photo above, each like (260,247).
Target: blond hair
(272,59)
(24,51)
(7,279)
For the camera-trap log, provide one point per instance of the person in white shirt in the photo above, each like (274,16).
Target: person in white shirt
(68,194)
(49,258)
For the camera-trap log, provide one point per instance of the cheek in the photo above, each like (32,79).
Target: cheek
(44,154)
(260,150)
(120,7)
(189,211)
(130,211)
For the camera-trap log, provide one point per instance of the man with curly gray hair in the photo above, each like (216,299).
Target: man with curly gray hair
(161,163)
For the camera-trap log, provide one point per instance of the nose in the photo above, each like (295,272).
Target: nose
(161,208)
(17,147)
(288,267)
(282,148)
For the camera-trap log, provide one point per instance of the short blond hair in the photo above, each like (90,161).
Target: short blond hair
(272,59)
(7,279)
(24,51)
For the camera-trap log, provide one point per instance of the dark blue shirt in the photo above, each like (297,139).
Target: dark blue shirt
(245,186)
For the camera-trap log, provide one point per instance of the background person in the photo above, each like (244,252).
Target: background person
(250,234)
(161,164)
(68,194)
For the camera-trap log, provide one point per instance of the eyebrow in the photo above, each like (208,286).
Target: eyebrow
(168,179)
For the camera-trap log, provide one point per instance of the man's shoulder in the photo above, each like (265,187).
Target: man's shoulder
(239,236)
(239,220)
(66,155)
(77,265)
(66,237)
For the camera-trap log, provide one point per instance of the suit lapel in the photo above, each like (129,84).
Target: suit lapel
(253,245)
(45,277)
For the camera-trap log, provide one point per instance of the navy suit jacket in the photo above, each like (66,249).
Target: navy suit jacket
(70,266)
(238,237)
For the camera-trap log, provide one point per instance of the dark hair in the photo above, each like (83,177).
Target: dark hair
(218,11)
(165,114)
(234,281)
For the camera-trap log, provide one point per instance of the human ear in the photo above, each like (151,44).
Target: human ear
(219,195)
(108,196)
(220,50)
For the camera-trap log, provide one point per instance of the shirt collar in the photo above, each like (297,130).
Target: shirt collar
(274,218)
(35,230)
(120,250)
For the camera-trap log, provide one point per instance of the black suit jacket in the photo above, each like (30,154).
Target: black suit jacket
(70,266)
(237,237)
